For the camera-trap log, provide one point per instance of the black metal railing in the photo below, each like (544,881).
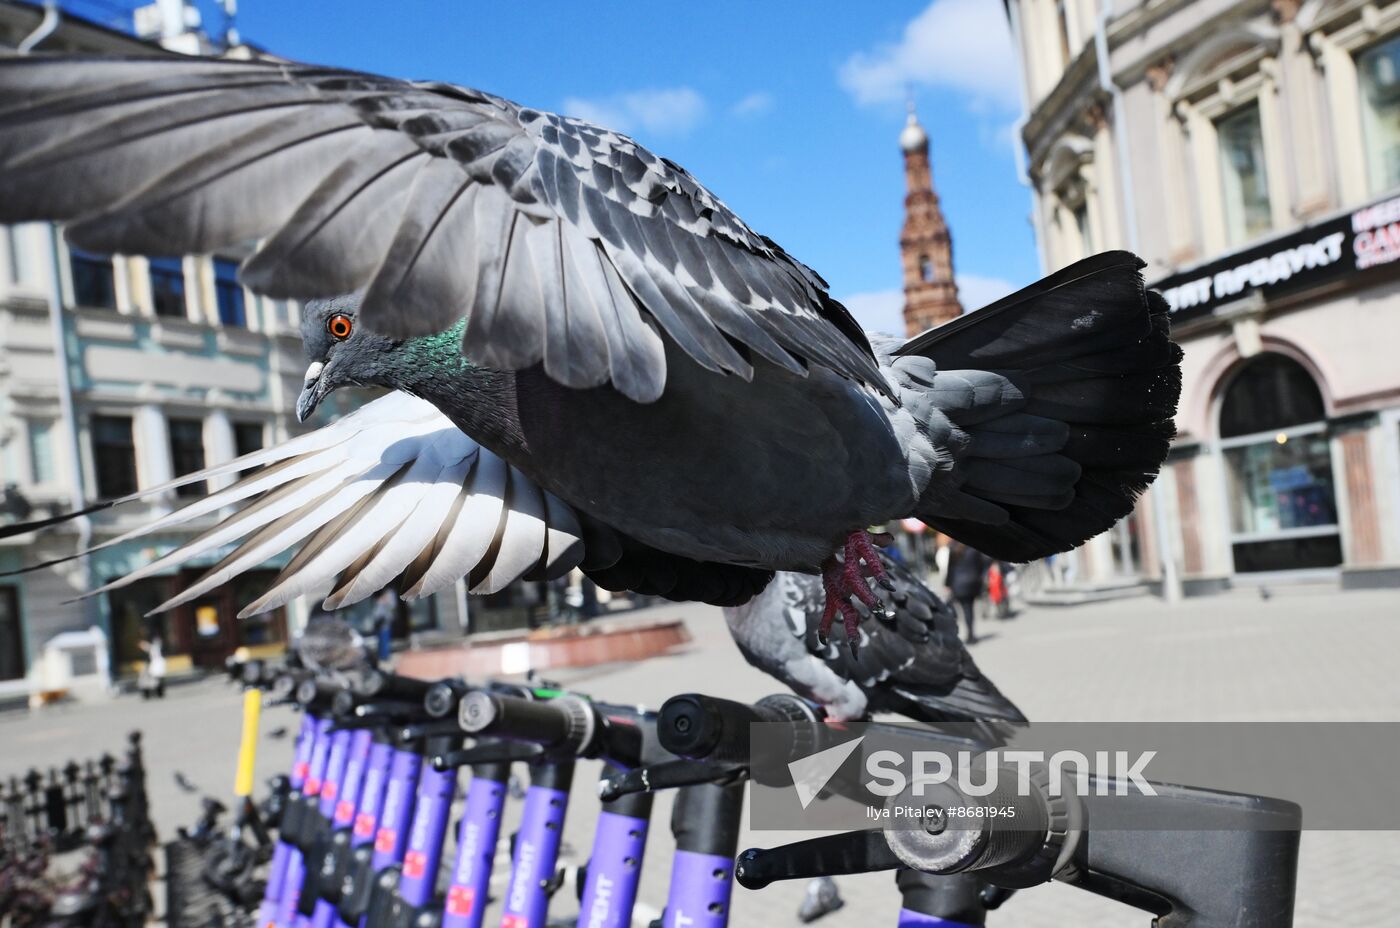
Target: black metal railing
(76,841)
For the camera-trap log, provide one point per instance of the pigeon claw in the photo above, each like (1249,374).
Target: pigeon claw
(844,577)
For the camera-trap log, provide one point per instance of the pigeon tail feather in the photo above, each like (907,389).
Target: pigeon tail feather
(1056,403)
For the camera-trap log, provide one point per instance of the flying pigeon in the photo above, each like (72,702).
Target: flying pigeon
(590,314)
(910,660)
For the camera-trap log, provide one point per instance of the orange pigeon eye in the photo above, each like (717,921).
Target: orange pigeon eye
(339,326)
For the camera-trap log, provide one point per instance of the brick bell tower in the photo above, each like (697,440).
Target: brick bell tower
(926,248)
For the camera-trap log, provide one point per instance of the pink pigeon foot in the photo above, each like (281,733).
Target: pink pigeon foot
(843,578)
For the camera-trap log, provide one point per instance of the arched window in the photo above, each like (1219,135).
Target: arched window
(925,269)
(1273,432)
(1272,392)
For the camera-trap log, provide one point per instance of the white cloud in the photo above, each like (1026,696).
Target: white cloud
(879,311)
(660,111)
(755,104)
(961,44)
(882,311)
(976,291)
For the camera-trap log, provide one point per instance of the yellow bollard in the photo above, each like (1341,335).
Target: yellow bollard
(248,748)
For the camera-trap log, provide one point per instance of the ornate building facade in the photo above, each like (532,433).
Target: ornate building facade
(118,374)
(925,246)
(1249,151)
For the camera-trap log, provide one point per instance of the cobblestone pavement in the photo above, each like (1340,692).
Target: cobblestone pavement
(1304,654)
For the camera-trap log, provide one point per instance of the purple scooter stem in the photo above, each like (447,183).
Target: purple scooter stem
(365,816)
(705,821)
(911,919)
(476,846)
(336,762)
(310,789)
(701,885)
(930,900)
(366,823)
(615,866)
(391,837)
(336,758)
(537,846)
(354,779)
(431,811)
(339,795)
(281,851)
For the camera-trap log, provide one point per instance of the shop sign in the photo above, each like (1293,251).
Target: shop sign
(1365,238)
(206,621)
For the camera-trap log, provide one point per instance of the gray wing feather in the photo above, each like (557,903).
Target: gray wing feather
(437,200)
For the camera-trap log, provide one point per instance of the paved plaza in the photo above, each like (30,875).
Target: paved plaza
(1306,653)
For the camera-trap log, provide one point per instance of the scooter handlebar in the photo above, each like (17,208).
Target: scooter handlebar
(700,727)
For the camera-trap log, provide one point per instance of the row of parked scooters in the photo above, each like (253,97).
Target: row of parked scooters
(362,829)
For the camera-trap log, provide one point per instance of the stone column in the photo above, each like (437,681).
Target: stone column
(1193,560)
(153,465)
(1363,540)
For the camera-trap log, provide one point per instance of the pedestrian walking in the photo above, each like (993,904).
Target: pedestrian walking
(152,679)
(967,569)
(386,608)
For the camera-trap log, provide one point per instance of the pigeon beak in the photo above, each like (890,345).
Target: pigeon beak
(311,391)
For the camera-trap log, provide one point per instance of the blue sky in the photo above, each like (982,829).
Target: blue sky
(788,111)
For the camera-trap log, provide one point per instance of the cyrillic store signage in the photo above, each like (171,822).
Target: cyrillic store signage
(1346,244)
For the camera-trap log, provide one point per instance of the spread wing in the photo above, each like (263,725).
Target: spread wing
(562,243)
(393,491)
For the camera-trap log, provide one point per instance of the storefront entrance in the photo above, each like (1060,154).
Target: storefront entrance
(202,633)
(1278,469)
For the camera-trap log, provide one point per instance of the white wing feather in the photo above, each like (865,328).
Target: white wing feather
(393,491)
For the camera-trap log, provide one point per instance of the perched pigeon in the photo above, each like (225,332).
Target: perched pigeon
(910,660)
(328,644)
(604,324)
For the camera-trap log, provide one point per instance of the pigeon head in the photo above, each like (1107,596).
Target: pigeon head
(340,351)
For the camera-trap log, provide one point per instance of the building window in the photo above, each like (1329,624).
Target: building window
(11,635)
(114,456)
(1246,185)
(247,438)
(168,287)
(187,453)
(1283,511)
(277,315)
(228,293)
(1378,70)
(41,461)
(925,269)
(93,284)
(1282,483)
